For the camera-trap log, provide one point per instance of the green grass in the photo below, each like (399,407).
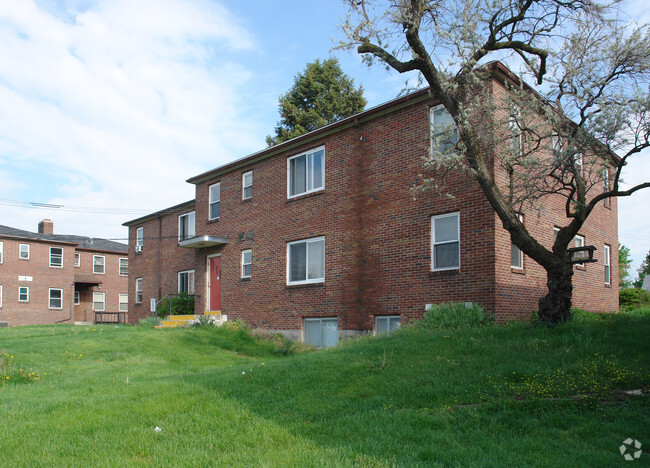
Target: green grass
(485,396)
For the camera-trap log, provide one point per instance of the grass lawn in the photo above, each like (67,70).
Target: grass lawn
(488,396)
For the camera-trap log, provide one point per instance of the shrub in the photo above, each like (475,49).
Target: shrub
(180,304)
(455,315)
(632,298)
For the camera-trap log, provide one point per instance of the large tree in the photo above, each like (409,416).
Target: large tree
(588,112)
(321,95)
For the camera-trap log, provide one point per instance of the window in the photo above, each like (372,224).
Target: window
(2,251)
(139,239)
(186,281)
(186,223)
(23,294)
(0,296)
(445,233)
(23,251)
(387,324)
(321,332)
(124,266)
(306,261)
(77,259)
(77,298)
(99,264)
(246,263)
(56,257)
(138,291)
(577,161)
(516,255)
(99,301)
(516,136)
(215,201)
(56,298)
(306,172)
(247,185)
(124,303)
(444,133)
(579,242)
(606,184)
(607,264)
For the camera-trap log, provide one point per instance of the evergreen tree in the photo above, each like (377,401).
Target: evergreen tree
(643,270)
(321,95)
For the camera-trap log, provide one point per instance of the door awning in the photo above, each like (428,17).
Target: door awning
(202,242)
(86,280)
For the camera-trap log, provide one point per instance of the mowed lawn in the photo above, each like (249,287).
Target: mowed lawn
(493,396)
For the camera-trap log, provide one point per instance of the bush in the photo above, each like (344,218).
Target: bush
(180,304)
(632,298)
(455,315)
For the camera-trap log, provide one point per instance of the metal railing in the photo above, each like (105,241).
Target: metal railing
(176,304)
(110,317)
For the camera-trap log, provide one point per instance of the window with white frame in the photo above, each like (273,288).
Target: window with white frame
(56,257)
(606,184)
(99,264)
(306,172)
(607,264)
(124,266)
(579,242)
(444,132)
(124,303)
(445,242)
(247,185)
(516,255)
(321,332)
(387,324)
(23,294)
(246,263)
(306,261)
(77,259)
(214,201)
(138,291)
(0,296)
(139,239)
(99,301)
(186,226)
(23,251)
(56,298)
(186,281)
(2,251)
(77,298)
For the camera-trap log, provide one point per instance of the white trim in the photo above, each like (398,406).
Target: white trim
(119,266)
(207,279)
(49,299)
(244,186)
(20,251)
(307,242)
(77,298)
(139,238)
(211,201)
(306,154)
(319,320)
(141,281)
(433,241)
(103,265)
(178,277)
(2,252)
(243,275)
(103,301)
(62,252)
(191,225)
(0,296)
(389,318)
(607,255)
(579,241)
(433,135)
(23,287)
(119,302)
(521,253)
(77,259)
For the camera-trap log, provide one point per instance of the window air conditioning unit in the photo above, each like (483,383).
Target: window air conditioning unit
(138,248)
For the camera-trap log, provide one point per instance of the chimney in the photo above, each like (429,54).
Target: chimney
(46,227)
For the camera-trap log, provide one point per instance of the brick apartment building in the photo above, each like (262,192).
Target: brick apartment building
(321,238)
(52,278)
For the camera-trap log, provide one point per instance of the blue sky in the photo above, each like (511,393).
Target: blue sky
(113,104)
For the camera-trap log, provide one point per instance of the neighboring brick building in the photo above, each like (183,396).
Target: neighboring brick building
(52,278)
(321,238)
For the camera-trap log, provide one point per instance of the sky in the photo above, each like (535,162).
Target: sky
(107,107)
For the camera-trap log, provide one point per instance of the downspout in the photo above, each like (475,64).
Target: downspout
(159,255)
(71,306)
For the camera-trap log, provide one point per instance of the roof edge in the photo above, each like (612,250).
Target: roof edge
(172,209)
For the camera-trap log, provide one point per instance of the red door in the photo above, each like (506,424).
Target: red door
(215,283)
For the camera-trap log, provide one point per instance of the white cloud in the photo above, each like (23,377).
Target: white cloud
(117,105)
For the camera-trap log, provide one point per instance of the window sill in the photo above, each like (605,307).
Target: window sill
(518,271)
(306,195)
(451,272)
(305,285)
(213,221)
(245,280)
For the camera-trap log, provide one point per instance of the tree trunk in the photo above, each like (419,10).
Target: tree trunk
(555,307)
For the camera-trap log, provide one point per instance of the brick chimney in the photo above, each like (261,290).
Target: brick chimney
(46,227)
